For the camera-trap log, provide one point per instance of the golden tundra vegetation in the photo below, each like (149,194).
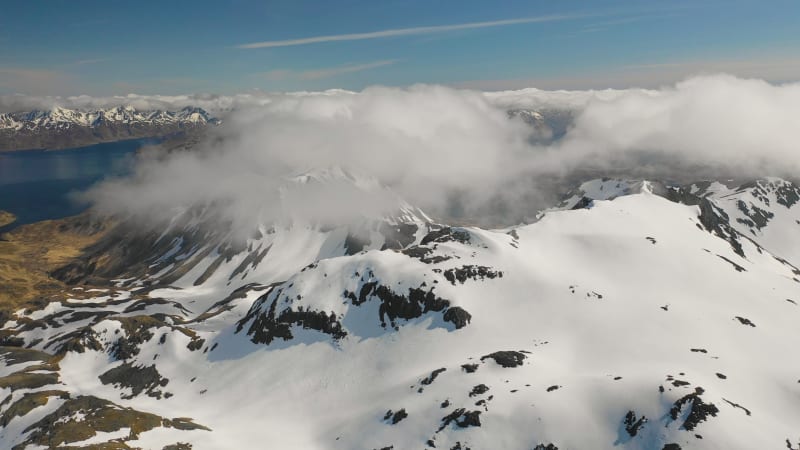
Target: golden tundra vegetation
(77,418)
(28,256)
(29,253)
(6,218)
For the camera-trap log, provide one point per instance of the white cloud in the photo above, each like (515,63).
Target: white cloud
(720,121)
(455,152)
(408,31)
(424,142)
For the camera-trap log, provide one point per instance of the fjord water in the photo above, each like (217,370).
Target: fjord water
(39,184)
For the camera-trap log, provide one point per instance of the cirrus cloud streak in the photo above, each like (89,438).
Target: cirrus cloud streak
(408,31)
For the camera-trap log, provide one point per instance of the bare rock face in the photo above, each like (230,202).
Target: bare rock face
(698,410)
(506,358)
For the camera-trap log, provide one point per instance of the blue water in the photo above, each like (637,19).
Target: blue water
(38,184)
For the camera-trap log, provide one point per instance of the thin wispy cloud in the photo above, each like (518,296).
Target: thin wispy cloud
(602,26)
(326,72)
(83,62)
(410,31)
(334,71)
(89,23)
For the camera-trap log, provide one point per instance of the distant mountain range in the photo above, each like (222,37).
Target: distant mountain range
(61,128)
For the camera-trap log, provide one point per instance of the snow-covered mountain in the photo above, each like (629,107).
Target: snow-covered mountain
(549,123)
(634,315)
(64,128)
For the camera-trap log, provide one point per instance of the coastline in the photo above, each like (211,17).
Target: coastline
(36,185)
(75,145)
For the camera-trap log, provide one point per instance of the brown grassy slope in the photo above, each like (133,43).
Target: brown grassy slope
(30,252)
(6,218)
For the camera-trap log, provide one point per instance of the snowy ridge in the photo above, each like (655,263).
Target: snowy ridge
(647,317)
(763,210)
(598,189)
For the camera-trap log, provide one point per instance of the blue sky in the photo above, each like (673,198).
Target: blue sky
(56,47)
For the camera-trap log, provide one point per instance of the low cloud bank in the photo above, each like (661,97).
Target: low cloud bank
(457,153)
(745,126)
